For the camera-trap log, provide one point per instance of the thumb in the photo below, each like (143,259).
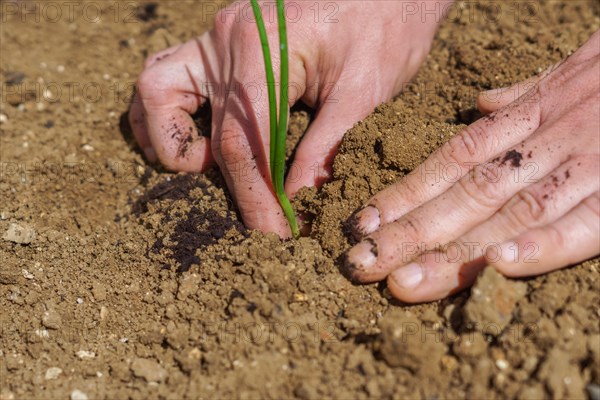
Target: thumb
(312,165)
(495,99)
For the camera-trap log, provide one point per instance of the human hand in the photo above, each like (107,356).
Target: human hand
(525,199)
(339,67)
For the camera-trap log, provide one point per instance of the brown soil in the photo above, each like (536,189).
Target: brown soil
(120,280)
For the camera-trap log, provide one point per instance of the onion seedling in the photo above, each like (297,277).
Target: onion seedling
(278,127)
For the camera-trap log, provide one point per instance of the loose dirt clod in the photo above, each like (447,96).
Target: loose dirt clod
(150,370)
(563,379)
(492,302)
(51,319)
(404,342)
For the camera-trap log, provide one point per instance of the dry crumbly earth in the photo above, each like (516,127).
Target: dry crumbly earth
(121,280)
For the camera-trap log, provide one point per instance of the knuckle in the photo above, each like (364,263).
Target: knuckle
(149,83)
(555,81)
(464,146)
(543,88)
(144,82)
(409,190)
(527,209)
(478,188)
(533,93)
(230,145)
(154,89)
(412,231)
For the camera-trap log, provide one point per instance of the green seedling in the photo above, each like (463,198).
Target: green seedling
(278,127)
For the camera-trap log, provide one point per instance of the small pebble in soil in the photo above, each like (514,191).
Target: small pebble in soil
(19,233)
(27,274)
(52,373)
(501,364)
(60,68)
(103,312)
(78,395)
(79,300)
(84,354)
(43,333)
(3,118)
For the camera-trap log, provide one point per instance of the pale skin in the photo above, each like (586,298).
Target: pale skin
(522,224)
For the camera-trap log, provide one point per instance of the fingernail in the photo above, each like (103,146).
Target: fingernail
(365,222)
(361,257)
(409,276)
(506,252)
(498,90)
(494,95)
(150,153)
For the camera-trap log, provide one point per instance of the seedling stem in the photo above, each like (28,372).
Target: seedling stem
(278,127)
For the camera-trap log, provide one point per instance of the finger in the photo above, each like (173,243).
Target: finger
(241,134)
(435,275)
(138,126)
(240,153)
(170,91)
(472,200)
(312,165)
(572,239)
(495,99)
(440,174)
(474,145)
(136,112)
(545,200)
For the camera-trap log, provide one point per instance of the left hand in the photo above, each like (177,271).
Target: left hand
(525,199)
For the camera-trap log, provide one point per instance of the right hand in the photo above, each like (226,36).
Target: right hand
(345,59)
